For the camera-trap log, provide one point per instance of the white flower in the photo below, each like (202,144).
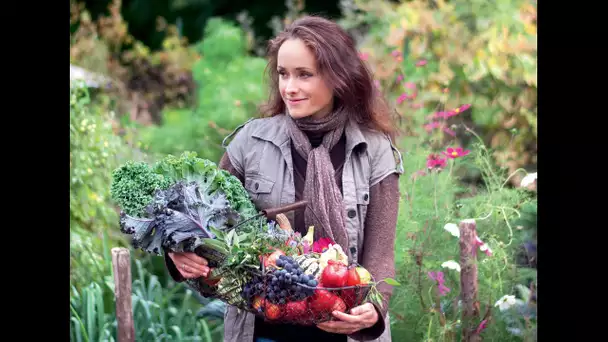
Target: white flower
(528,179)
(451,264)
(453,229)
(505,302)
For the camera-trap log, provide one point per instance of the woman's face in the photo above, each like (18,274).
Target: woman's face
(302,88)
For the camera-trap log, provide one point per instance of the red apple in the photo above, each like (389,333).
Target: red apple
(271,259)
(353,278)
(295,311)
(323,303)
(272,311)
(334,274)
(350,295)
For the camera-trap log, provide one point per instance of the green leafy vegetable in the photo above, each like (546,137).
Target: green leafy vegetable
(133,186)
(180,204)
(209,177)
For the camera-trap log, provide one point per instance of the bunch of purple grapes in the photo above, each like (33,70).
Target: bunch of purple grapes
(281,285)
(286,283)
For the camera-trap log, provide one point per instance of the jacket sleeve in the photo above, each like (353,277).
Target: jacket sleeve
(379,246)
(223,164)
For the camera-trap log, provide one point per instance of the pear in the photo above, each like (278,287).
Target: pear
(364,275)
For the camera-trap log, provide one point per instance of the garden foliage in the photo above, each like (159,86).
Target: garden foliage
(482,53)
(461,74)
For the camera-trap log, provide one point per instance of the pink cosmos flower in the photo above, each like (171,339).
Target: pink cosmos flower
(410,85)
(431,126)
(434,162)
(322,245)
(402,98)
(364,56)
(400,78)
(421,62)
(457,152)
(458,110)
(396,53)
(438,115)
(438,277)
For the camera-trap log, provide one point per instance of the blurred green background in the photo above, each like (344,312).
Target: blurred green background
(167,76)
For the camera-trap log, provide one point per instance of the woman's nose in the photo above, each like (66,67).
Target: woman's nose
(291,87)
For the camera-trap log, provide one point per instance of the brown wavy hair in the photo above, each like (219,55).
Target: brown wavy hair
(339,64)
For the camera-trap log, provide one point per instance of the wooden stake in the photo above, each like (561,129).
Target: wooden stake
(121,265)
(468,280)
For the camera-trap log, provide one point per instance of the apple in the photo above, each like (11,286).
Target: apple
(271,259)
(295,311)
(323,303)
(272,311)
(334,274)
(350,295)
(353,278)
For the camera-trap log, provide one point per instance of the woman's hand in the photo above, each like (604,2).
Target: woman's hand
(190,265)
(360,317)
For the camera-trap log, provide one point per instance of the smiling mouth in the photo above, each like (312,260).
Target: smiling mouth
(295,100)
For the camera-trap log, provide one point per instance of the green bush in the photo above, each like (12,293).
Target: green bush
(479,52)
(95,151)
(229,89)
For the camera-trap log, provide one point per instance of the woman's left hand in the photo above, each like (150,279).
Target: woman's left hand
(360,317)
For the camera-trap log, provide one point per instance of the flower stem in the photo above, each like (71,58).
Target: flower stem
(428,332)
(435,194)
(510,229)
(485,217)
(511,175)
(451,166)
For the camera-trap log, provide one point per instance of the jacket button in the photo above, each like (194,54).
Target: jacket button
(353,250)
(352,213)
(365,197)
(256,186)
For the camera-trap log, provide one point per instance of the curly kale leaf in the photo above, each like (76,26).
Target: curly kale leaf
(189,168)
(133,187)
(182,215)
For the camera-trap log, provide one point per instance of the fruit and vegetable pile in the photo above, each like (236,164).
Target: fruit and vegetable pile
(188,204)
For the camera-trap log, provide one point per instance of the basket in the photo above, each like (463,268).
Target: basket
(288,288)
(296,303)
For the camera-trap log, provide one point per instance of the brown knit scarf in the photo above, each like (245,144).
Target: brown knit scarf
(320,187)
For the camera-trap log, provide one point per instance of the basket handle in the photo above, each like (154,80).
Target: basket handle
(271,213)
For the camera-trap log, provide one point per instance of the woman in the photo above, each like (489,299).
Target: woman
(325,137)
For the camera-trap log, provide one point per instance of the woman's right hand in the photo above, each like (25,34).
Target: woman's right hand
(190,265)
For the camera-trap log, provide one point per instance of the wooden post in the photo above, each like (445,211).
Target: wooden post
(121,265)
(468,280)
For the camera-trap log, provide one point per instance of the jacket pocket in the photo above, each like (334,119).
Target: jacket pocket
(260,190)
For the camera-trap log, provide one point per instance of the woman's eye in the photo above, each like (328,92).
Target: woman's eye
(305,75)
